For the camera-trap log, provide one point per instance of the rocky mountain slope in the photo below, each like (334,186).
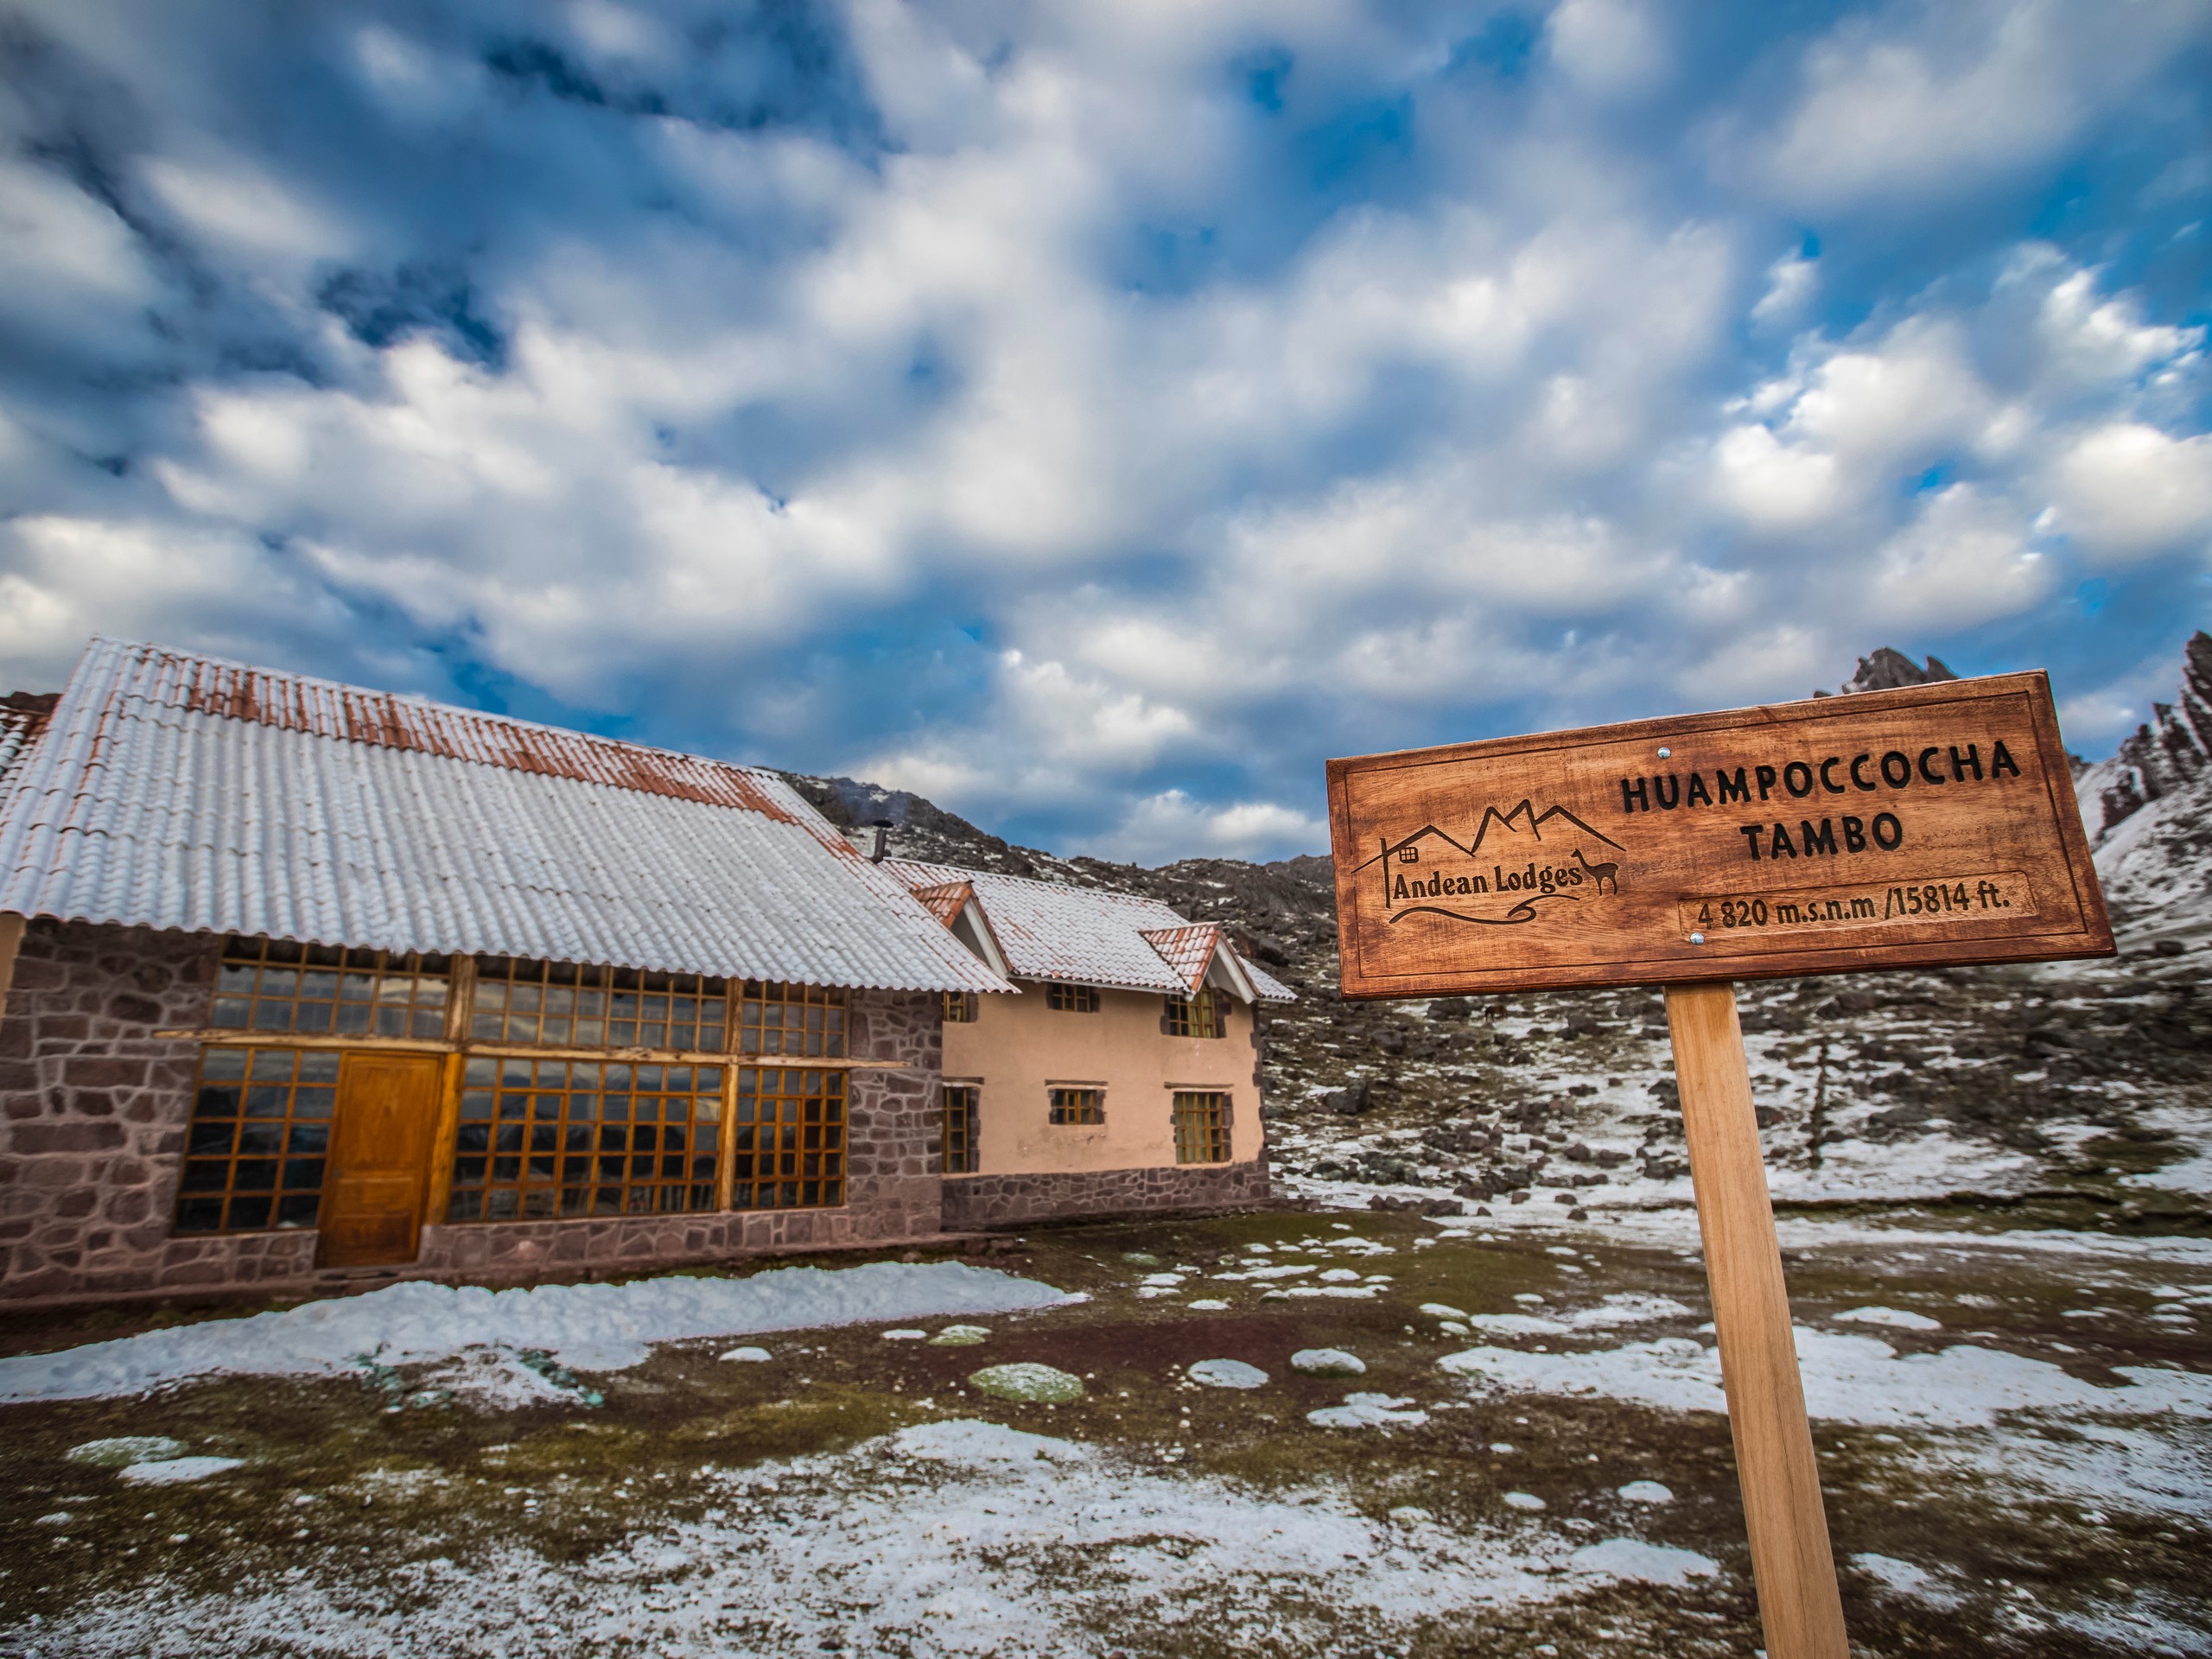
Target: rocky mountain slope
(2080,1084)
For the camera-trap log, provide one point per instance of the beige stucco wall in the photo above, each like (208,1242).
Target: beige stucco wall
(1018,1049)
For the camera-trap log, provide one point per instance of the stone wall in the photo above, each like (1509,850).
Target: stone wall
(92,1113)
(94,1110)
(981,1201)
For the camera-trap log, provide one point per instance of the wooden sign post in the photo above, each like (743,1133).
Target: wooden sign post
(1930,825)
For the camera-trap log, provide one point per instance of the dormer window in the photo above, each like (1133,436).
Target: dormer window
(1203,1016)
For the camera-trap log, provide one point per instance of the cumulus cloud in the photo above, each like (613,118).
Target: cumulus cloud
(1939,101)
(1092,419)
(2126,491)
(1171,825)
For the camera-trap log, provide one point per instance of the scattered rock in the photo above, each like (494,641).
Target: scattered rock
(1369,1411)
(1328,1361)
(749,1356)
(1030,1382)
(127,1449)
(175,1471)
(1350,1103)
(1227,1373)
(960,1336)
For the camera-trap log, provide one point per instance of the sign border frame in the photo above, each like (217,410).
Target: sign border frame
(2092,940)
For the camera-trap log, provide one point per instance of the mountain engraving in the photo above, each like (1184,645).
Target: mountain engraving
(1503,875)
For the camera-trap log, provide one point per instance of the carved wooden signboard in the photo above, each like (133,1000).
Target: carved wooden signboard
(1931,824)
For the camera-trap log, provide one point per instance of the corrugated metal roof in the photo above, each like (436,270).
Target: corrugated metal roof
(1271,989)
(1091,935)
(174,792)
(17,727)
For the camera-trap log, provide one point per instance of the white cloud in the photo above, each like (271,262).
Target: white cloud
(1935,101)
(1963,560)
(1773,486)
(144,578)
(1170,825)
(1791,282)
(1228,472)
(66,260)
(2126,491)
(1607,47)
(2094,340)
(246,210)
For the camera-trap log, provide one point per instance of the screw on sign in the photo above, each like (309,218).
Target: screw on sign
(1929,825)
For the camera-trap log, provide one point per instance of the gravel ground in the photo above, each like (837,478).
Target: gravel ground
(2012,1425)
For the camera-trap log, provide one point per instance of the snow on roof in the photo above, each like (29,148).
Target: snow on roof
(174,791)
(1092,936)
(18,726)
(1189,950)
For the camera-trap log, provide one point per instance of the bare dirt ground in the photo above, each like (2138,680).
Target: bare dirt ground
(2014,1441)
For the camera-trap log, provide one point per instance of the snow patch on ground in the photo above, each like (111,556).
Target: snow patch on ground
(1896,1318)
(1848,1379)
(177,1471)
(962,1538)
(968,1441)
(1368,1411)
(585,1327)
(1627,1309)
(1904,1578)
(1631,1558)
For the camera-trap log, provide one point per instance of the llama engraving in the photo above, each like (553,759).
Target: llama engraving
(1599,873)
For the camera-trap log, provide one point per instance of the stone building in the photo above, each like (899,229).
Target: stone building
(302,980)
(1125,1078)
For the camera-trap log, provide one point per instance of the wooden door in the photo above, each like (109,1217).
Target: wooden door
(379,1159)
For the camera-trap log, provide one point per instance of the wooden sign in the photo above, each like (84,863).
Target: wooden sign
(1931,824)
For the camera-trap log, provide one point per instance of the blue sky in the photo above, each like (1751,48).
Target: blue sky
(1094,417)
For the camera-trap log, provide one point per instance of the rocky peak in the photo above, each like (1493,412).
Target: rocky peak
(2164,755)
(1887,670)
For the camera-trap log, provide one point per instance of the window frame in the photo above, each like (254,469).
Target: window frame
(832,1126)
(445,1025)
(963,1007)
(825,1038)
(1075,1105)
(578,1145)
(1206,1122)
(961,1104)
(1190,1016)
(299,1174)
(1067,997)
(251,976)
(594,993)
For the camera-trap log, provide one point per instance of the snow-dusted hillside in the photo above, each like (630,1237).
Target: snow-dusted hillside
(2149,813)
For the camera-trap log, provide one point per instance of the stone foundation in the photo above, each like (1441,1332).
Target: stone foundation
(973,1201)
(94,1110)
